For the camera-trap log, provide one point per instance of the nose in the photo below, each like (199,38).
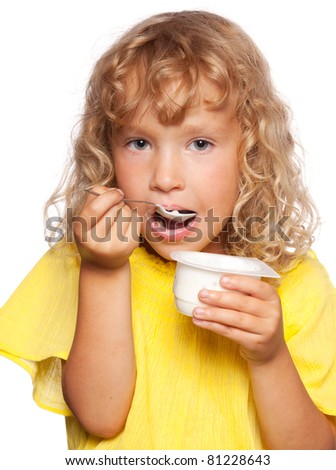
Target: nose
(167,172)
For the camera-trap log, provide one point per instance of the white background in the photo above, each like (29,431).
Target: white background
(47,52)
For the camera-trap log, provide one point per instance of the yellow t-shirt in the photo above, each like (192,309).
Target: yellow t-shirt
(193,389)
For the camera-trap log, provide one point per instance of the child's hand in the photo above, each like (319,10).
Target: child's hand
(106,231)
(249,313)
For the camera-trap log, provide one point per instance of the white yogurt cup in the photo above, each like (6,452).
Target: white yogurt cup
(198,270)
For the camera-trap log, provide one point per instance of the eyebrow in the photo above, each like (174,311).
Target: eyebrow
(200,129)
(129,130)
(186,128)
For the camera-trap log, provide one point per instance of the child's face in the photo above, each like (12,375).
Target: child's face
(192,165)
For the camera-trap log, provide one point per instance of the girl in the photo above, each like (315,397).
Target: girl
(181,111)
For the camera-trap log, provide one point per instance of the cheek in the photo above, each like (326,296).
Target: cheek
(224,184)
(131,174)
(124,176)
(121,168)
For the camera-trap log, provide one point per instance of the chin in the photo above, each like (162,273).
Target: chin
(164,249)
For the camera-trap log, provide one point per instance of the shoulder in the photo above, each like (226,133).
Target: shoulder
(308,272)
(55,273)
(64,254)
(60,261)
(306,292)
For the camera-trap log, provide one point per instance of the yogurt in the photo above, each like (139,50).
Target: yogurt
(198,270)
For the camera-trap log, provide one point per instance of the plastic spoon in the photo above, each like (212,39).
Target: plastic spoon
(168,214)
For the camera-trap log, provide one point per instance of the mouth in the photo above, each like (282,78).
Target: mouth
(174,224)
(179,215)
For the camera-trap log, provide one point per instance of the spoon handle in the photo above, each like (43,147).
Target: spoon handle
(142,202)
(126,200)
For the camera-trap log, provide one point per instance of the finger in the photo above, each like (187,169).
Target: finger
(241,337)
(249,285)
(102,230)
(233,300)
(230,318)
(97,191)
(122,224)
(93,229)
(97,206)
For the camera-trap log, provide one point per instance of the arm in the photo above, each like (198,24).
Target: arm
(250,314)
(287,415)
(99,375)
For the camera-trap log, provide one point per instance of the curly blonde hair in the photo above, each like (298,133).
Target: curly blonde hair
(195,46)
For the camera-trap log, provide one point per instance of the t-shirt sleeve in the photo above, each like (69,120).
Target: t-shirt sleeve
(38,321)
(309,310)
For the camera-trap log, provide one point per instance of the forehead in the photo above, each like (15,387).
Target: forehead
(170,100)
(197,120)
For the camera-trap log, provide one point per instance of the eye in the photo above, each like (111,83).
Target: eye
(200,145)
(138,144)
